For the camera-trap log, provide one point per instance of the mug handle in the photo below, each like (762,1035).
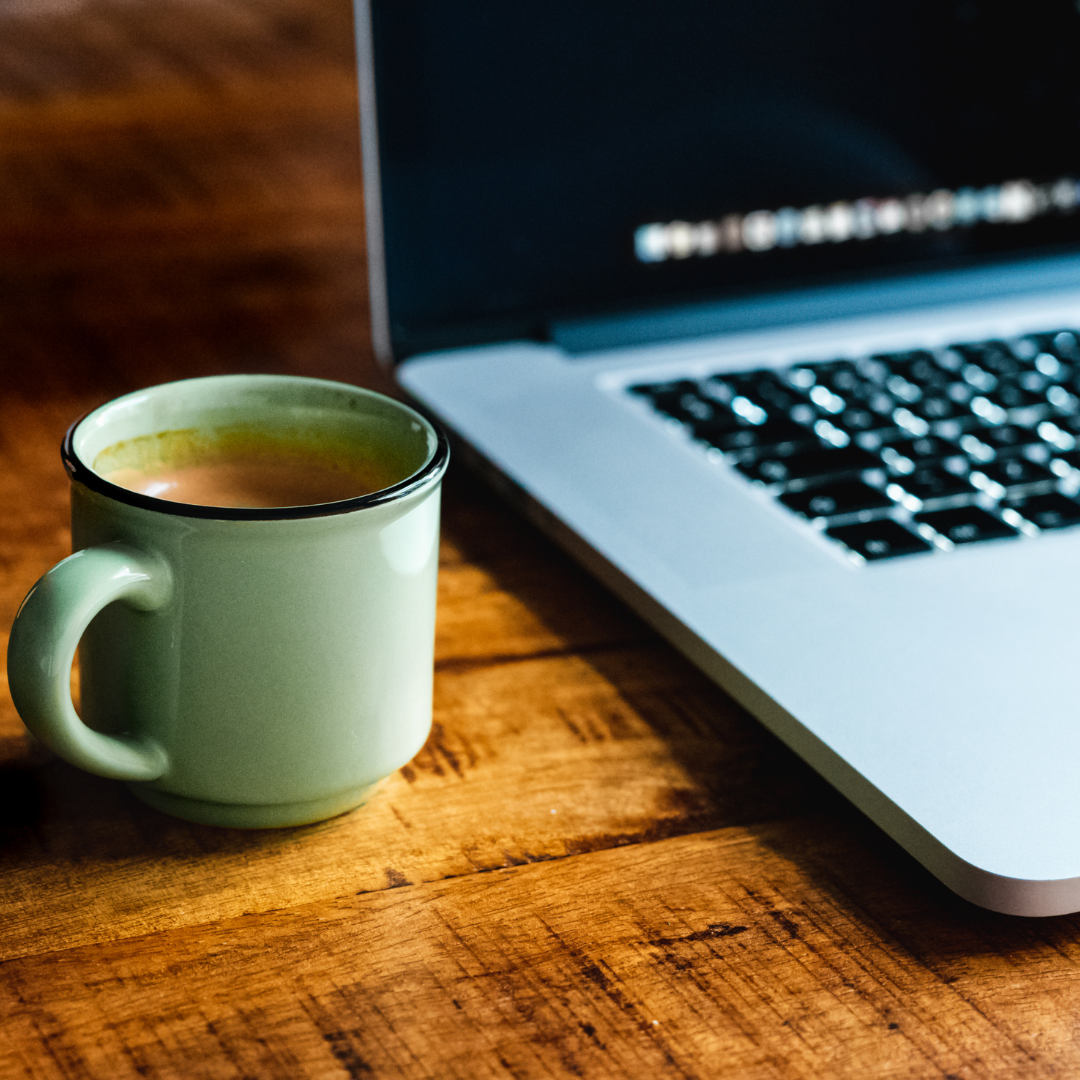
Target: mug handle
(44,637)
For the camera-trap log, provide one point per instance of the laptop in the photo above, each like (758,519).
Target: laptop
(770,314)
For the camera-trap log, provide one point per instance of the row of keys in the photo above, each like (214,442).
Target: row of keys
(902,452)
(885,537)
(863,401)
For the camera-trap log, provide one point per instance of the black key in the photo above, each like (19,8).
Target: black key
(1011,395)
(993,356)
(884,404)
(765,388)
(665,389)
(860,393)
(1063,399)
(1050,511)
(950,360)
(685,406)
(841,377)
(709,417)
(966,524)
(882,539)
(918,367)
(856,420)
(935,482)
(1016,472)
(853,379)
(679,400)
(1064,344)
(778,436)
(977,378)
(906,393)
(1070,423)
(832,500)
(1053,369)
(918,452)
(1008,439)
(1034,381)
(1070,457)
(935,406)
(817,464)
(717,420)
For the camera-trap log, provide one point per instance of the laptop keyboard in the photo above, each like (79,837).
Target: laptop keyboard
(907,452)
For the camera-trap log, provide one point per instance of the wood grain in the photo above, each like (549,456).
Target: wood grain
(598,866)
(752,952)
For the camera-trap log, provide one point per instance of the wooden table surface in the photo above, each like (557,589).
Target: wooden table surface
(598,866)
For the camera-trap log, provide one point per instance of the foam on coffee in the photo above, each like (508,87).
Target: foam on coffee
(241,468)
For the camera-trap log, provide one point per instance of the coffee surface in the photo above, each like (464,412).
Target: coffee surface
(234,473)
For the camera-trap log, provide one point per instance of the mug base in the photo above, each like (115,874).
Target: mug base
(253,816)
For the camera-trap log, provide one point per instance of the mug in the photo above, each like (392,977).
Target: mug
(240,666)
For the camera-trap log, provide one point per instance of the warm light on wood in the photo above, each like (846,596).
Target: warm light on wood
(598,866)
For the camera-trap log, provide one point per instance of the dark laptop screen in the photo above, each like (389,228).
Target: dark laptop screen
(550,158)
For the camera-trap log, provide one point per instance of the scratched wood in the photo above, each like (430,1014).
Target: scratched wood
(767,952)
(598,865)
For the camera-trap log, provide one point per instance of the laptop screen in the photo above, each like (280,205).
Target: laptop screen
(556,158)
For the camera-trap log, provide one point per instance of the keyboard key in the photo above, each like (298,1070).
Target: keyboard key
(917,366)
(1064,401)
(882,539)
(833,500)
(1009,439)
(857,420)
(939,406)
(817,464)
(778,435)
(935,482)
(1049,511)
(966,524)
(1010,395)
(1034,381)
(840,376)
(715,419)
(1052,368)
(679,400)
(1012,473)
(766,388)
(1063,344)
(1071,459)
(902,390)
(993,356)
(671,390)
(906,455)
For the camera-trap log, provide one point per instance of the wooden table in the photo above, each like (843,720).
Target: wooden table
(597,867)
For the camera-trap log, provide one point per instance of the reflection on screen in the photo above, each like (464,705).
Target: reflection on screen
(1011,203)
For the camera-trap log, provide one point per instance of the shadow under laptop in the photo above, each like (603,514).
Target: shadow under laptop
(823,853)
(731,770)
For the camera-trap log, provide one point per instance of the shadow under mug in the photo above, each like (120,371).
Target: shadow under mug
(244,667)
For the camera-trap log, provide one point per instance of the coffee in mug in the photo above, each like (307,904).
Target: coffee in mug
(253,588)
(239,467)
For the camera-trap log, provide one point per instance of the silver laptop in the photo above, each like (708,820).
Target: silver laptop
(771,315)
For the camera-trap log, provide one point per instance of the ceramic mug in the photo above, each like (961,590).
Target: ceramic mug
(240,666)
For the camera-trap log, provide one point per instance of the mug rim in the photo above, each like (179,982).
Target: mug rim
(78,471)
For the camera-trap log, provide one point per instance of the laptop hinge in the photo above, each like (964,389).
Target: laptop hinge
(1049,273)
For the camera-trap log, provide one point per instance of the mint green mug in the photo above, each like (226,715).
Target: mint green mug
(240,666)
